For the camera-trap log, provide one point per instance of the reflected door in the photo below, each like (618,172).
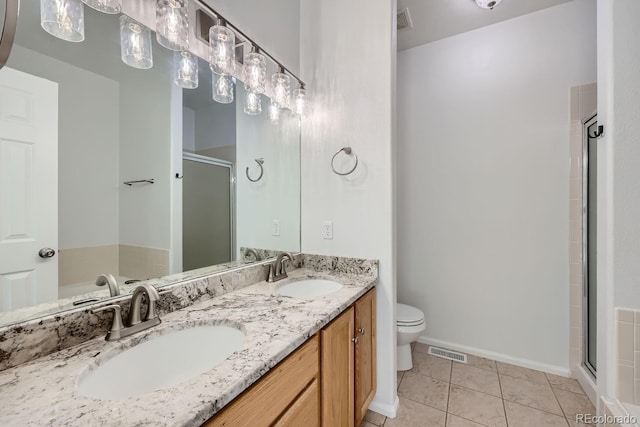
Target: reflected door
(590,284)
(207,212)
(28,190)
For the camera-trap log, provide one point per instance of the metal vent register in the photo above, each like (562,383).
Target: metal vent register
(447,354)
(404,19)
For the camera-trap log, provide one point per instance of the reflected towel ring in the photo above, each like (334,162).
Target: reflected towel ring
(347,150)
(260,162)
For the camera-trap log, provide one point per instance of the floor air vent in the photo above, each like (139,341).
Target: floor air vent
(447,354)
(404,19)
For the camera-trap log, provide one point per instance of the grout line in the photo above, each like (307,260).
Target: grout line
(504,406)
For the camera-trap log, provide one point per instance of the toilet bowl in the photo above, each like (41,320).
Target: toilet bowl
(410,323)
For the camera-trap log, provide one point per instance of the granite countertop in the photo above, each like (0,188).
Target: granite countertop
(43,392)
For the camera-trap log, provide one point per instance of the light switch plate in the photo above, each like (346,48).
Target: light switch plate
(275,227)
(327,229)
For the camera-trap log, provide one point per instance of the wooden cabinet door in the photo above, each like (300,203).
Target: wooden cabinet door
(365,353)
(336,371)
(305,411)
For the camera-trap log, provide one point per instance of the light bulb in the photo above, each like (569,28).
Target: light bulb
(281,85)
(186,70)
(252,103)
(222,49)
(299,100)
(274,113)
(488,4)
(172,24)
(135,43)
(222,88)
(255,72)
(63,19)
(111,7)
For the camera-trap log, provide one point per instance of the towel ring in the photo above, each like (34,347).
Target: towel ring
(347,150)
(260,162)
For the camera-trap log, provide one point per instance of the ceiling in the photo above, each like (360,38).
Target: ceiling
(437,19)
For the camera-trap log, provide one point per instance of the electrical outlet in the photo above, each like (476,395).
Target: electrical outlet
(275,227)
(327,230)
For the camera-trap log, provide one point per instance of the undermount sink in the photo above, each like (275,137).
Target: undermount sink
(309,288)
(161,362)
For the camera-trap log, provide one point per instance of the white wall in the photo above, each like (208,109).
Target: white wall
(618,176)
(277,195)
(483,168)
(87,149)
(215,125)
(349,65)
(188,129)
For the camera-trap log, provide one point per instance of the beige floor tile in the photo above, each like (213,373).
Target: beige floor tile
(524,416)
(431,366)
(414,414)
(475,406)
(419,347)
(527,393)
(367,424)
(427,390)
(477,379)
(481,362)
(522,373)
(568,384)
(374,418)
(455,421)
(573,403)
(573,423)
(399,375)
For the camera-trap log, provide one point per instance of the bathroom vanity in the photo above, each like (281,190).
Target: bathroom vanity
(301,358)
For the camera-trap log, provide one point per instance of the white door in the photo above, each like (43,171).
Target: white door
(28,189)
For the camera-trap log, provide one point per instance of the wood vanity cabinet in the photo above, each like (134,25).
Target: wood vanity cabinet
(348,364)
(330,380)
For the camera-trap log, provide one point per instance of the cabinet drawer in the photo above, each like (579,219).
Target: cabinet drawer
(305,411)
(266,400)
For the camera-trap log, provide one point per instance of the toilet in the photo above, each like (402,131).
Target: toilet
(410,322)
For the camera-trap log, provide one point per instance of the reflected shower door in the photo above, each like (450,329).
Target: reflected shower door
(589,233)
(207,212)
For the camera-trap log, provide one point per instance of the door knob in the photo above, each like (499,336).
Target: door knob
(46,253)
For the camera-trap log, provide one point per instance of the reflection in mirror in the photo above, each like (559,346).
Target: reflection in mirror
(120,171)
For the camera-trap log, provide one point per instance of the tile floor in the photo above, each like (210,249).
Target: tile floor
(438,392)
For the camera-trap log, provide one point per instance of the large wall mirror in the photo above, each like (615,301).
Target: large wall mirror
(120,171)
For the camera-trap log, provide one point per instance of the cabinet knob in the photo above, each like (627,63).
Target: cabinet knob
(355,340)
(361,330)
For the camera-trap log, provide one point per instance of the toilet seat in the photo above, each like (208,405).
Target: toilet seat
(408,316)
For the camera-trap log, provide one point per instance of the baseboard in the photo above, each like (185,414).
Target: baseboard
(525,363)
(384,408)
(587,384)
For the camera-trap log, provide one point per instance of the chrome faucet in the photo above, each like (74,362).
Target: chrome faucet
(251,251)
(277,270)
(134,322)
(108,279)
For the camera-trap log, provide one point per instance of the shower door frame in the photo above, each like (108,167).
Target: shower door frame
(585,244)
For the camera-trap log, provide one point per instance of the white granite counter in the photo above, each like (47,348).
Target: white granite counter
(43,391)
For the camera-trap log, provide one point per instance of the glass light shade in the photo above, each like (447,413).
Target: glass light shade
(172,24)
(488,4)
(186,70)
(135,43)
(252,103)
(63,19)
(274,113)
(255,72)
(299,101)
(105,6)
(281,85)
(222,88)
(222,49)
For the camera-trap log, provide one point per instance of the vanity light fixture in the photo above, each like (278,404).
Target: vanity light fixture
(111,7)
(274,113)
(281,86)
(487,4)
(185,70)
(252,103)
(299,100)
(63,19)
(172,24)
(255,71)
(222,88)
(222,48)
(135,43)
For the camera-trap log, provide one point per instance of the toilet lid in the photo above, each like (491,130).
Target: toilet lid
(408,316)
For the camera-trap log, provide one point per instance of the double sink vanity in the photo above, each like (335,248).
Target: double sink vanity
(227,349)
